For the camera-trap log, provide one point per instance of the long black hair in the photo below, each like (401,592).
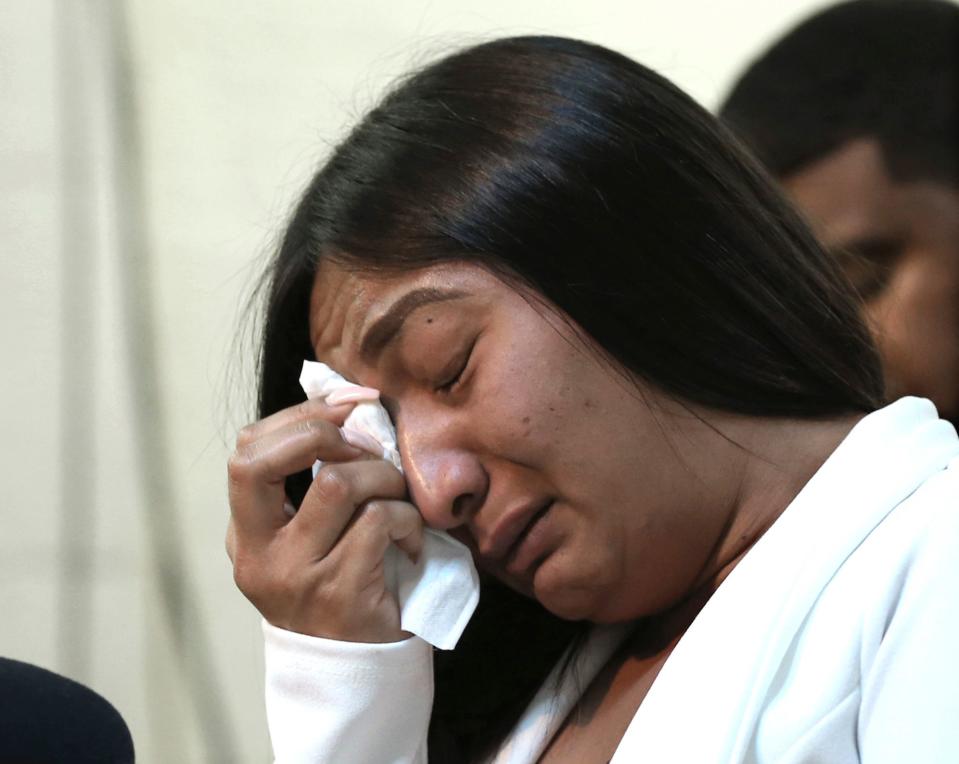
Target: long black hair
(576,171)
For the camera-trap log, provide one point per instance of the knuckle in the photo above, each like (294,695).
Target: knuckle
(307,411)
(311,427)
(375,513)
(305,408)
(239,466)
(246,576)
(246,435)
(332,485)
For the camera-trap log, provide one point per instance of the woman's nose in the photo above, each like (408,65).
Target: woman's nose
(447,482)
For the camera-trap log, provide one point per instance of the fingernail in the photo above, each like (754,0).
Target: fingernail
(289,508)
(362,441)
(355,394)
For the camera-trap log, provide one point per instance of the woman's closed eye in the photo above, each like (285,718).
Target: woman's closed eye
(456,371)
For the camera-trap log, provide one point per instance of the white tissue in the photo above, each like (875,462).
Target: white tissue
(437,595)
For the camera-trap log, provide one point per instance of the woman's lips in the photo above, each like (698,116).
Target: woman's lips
(532,545)
(509,531)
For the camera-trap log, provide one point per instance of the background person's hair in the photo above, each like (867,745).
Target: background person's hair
(883,69)
(572,169)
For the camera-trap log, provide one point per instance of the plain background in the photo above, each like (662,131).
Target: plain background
(140,194)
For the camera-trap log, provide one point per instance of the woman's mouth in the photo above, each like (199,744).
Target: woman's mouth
(532,546)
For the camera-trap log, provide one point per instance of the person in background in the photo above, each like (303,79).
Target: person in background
(855,112)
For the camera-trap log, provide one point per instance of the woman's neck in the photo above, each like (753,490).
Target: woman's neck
(757,466)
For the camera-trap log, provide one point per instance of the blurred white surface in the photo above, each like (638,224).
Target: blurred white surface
(236,102)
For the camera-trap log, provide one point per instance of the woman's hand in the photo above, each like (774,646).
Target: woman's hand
(321,571)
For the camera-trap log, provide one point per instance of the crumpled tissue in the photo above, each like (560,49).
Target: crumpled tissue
(438,594)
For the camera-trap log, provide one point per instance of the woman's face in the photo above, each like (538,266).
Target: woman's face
(515,437)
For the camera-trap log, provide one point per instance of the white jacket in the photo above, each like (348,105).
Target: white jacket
(835,639)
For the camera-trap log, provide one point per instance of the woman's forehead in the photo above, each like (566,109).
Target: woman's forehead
(346,301)
(337,294)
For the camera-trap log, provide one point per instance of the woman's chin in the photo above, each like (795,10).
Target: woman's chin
(572,599)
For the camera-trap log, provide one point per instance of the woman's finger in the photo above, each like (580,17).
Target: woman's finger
(257,470)
(404,525)
(334,498)
(309,409)
(358,556)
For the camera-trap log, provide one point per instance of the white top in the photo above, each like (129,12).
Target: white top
(835,639)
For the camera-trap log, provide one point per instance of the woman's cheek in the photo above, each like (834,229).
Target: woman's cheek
(524,412)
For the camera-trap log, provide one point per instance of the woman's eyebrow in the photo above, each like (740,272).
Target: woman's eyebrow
(385,329)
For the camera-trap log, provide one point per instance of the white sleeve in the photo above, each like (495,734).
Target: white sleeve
(347,702)
(910,701)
